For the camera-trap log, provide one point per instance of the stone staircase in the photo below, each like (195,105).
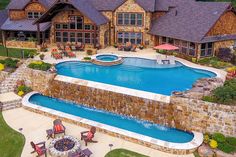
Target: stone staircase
(9,84)
(9,101)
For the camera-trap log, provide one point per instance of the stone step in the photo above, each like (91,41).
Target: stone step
(10,100)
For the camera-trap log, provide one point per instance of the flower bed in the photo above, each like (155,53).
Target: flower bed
(39,65)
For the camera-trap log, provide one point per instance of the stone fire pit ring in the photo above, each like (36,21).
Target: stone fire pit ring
(55,152)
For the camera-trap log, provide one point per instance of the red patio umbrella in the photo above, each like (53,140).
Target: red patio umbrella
(167,47)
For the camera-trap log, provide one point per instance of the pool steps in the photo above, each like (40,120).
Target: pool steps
(162,59)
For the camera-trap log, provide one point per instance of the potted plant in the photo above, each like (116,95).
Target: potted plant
(115,45)
(141,47)
(42,56)
(89,52)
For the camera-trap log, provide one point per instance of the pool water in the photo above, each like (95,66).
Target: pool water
(115,120)
(136,73)
(107,58)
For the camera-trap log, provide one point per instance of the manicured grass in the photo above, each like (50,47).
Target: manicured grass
(14,52)
(123,153)
(3,4)
(11,142)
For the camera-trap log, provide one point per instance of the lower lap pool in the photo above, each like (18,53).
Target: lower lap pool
(136,73)
(127,123)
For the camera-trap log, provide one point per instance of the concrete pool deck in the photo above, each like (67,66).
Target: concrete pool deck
(34,127)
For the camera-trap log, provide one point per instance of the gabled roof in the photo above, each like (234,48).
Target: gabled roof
(106,5)
(20,4)
(189,20)
(3,16)
(82,5)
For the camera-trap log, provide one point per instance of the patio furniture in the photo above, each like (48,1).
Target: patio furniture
(86,152)
(88,136)
(39,148)
(49,133)
(79,46)
(71,54)
(133,49)
(56,55)
(127,46)
(120,48)
(73,48)
(58,127)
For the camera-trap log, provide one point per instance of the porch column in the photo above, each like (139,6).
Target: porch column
(43,36)
(4,42)
(95,36)
(38,34)
(109,33)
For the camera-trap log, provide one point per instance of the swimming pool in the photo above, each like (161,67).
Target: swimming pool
(127,123)
(107,58)
(136,73)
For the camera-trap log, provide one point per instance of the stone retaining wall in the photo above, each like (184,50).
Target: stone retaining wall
(3,75)
(158,112)
(21,44)
(38,80)
(197,115)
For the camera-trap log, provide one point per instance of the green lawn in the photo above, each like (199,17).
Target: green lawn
(123,153)
(3,3)
(11,142)
(14,52)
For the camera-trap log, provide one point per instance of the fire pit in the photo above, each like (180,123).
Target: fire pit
(63,146)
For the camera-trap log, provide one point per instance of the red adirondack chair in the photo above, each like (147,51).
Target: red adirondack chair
(88,136)
(39,148)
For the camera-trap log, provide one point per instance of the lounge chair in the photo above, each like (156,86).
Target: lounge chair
(88,136)
(71,54)
(56,55)
(58,127)
(128,46)
(120,48)
(39,148)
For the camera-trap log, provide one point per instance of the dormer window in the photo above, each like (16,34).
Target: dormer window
(34,15)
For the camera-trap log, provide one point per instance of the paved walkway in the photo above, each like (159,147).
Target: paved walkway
(34,126)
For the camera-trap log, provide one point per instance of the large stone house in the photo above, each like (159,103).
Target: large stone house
(199,29)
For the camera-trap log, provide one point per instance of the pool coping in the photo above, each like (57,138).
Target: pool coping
(192,145)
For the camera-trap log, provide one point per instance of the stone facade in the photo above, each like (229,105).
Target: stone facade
(21,44)
(22,14)
(225,25)
(197,115)
(130,6)
(223,44)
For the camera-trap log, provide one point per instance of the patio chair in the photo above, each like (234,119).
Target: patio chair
(120,48)
(56,55)
(39,148)
(127,46)
(133,49)
(58,127)
(71,54)
(88,136)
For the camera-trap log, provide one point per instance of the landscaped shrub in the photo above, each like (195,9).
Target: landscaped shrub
(24,88)
(42,56)
(30,53)
(214,62)
(89,52)
(231,141)
(206,138)
(11,63)
(161,51)
(87,58)
(225,54)
(225,94)
(227,148)
(39,65)
(219,137)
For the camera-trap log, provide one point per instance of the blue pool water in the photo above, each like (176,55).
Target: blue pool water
(127,123)
(107,58)
(136,73)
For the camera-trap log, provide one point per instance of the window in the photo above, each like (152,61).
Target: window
(184,47)
(34,15)
(65,26)
(164,40)
(139,19)
(206,49)
(80,37)
(192,49)
(88,27)
(72,25)
(58,36)
(133,19)
(120,19)
(65,36)
(133,37)
(171,41)
(72,37)
(79,22)
(58,26)
(87,38)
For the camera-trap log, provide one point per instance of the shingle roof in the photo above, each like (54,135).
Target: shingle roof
(88,10)
(106,5)
(23,25)
(218,38)
(3,16)
(189,20)
(20,4)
